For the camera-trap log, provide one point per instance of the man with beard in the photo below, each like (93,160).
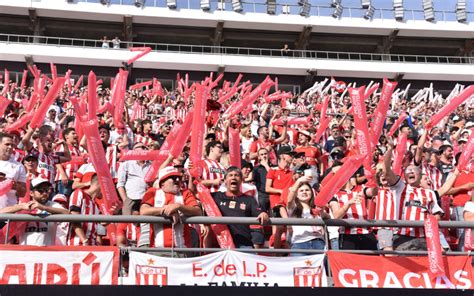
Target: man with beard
(265,140)
(47,159)
(412,203)
(66,171)
(445,161)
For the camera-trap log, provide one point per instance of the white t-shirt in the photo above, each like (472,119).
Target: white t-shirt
(15,171)
(40,233)
(246,145)
(469,207)
(304,233)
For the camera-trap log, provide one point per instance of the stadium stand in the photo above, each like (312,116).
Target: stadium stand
(98,155)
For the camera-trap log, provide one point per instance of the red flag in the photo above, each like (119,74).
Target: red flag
(338,86)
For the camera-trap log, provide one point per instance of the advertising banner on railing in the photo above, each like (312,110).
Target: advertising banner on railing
(227,268)
(26,265)
(362,271)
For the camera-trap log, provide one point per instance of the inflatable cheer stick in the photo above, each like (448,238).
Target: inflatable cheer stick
(23,79)
(336,181)
(381,110)
(397,124)
(92,95)
(446,110)
(5,186)
(360,122)
(144,51)
(224,238)
(466,153)
(401,150)
(234,148)
(182,136)
(49,99)
(143,155)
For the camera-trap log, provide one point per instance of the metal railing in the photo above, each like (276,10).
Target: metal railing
(241,220)
(239,51)
(229,220)
(286,7)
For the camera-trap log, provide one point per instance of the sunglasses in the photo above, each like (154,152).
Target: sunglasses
(43,190)
(176,179)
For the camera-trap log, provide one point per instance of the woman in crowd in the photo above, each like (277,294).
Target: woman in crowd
(300,205)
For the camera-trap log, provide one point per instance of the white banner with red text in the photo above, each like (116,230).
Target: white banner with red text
(362,271)
(27,265)
(227,268)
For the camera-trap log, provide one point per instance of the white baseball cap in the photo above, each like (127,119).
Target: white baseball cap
(38,181)
(167,172)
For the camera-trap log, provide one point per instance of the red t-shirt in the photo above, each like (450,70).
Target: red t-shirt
(312,154)
(161,235)
(463,196)
(282,179)
(256,145)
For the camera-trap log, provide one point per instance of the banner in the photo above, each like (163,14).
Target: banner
(228,268)
(363,271)
(28,265)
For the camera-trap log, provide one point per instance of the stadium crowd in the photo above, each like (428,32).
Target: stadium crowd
(285,158)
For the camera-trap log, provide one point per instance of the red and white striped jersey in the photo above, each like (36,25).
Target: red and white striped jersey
(144,139)
(130,231)
(301,108)
(385,205)
(68,108)
(18,155)
(180,114)
(111,155)
(70,167)
(212,170)
(435,175)
(162,235)
(355,211)
(84,204)
(141,112)
(414,204)
(257,144)
(46,164)
(84,169)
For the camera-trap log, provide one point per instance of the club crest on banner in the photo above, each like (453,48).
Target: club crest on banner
(151,275)
(307,276)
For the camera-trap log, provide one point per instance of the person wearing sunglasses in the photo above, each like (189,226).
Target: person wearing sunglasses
(41,233)
(169,200)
